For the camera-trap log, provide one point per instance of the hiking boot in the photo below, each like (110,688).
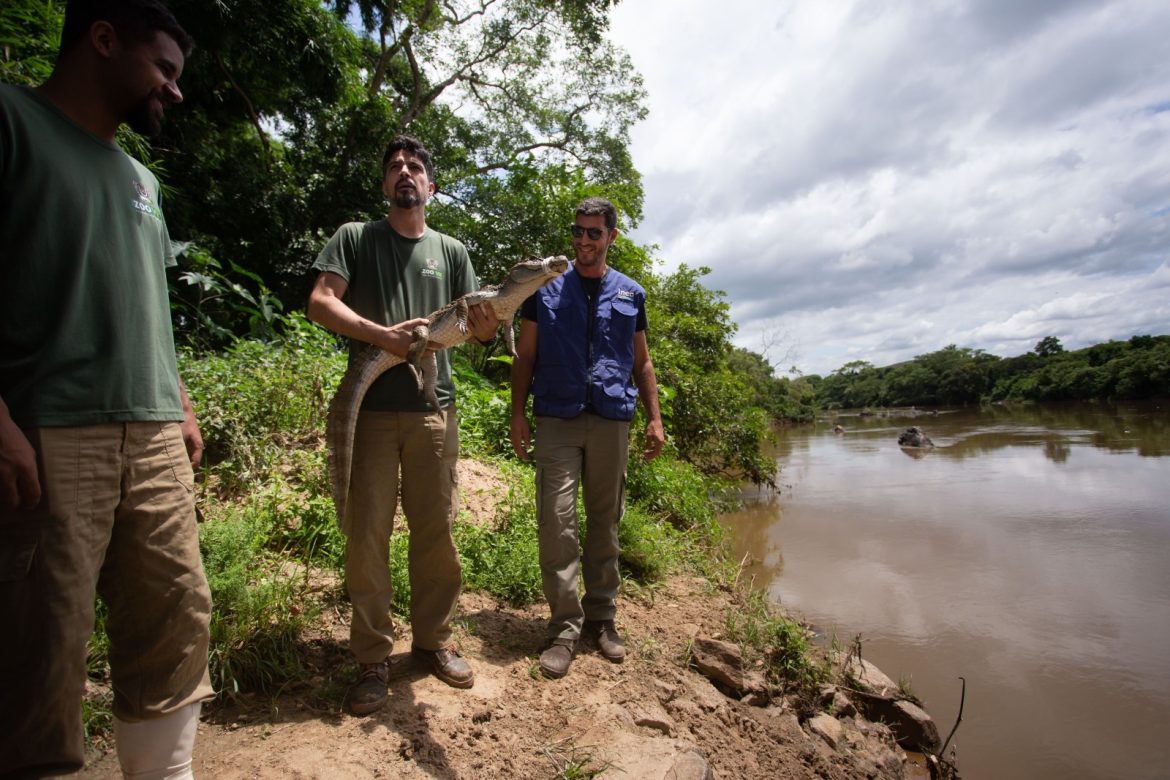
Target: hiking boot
(555,660)
(447,665)
(369,693)
(607,638)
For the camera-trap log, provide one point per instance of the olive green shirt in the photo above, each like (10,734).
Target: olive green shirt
(390,279)
(85,326)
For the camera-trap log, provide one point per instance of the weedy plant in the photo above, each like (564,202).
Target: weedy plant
(259,607)
(780,641)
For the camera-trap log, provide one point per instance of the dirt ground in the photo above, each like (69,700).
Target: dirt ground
(650,717)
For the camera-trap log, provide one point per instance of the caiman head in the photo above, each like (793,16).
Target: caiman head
(534,268)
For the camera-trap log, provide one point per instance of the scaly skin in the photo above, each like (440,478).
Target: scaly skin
(447,327)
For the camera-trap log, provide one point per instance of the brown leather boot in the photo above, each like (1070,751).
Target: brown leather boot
(447,665)
(609,642)
(369,693)
(555,660)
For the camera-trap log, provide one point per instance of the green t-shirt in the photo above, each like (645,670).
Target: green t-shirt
(85,327)
(391,278)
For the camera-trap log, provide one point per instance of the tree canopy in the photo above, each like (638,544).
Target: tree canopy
(289,104)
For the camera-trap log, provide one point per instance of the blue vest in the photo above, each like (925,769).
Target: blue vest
(585,353)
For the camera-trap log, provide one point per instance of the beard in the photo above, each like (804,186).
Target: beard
(143,120)
(407,199)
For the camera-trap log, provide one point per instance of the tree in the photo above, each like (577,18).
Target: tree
(1048,346)
(30,32)
(713,421)
(288,110)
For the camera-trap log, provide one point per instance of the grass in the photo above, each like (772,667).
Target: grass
(781,642)
(571,762)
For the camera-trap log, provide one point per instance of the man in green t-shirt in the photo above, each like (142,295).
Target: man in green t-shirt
(97,438)
(377,281)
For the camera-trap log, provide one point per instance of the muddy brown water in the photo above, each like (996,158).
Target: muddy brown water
(1027,552)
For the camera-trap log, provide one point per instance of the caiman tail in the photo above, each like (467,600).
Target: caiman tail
(341,423)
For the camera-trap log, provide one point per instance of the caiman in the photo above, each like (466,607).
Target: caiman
(445,328)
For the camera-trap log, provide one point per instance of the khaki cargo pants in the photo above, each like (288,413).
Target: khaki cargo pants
(117,516)
(424,448)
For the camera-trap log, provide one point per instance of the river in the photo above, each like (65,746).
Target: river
(1027,552)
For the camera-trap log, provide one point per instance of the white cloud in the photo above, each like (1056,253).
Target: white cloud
(876,180)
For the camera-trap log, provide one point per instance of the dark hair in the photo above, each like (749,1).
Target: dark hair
(594,206)
(405,143)
(135,21)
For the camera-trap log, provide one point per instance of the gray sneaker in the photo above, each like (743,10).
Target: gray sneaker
(369,693)
(555,660)
(608,641)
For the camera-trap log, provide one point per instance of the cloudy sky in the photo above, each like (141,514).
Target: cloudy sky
(876,179)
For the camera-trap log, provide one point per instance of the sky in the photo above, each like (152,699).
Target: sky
(879,179)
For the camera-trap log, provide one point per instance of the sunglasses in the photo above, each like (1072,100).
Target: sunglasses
(595,234)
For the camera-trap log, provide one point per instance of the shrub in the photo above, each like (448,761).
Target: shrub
(257,608)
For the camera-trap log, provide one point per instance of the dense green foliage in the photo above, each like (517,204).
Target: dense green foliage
(289,105)
(1134,369)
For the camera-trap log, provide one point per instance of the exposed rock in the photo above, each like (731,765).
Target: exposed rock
(702,693)
(870,678)
(655,758)
(842,706)
(722,662)
(915,727)
(689,765)
(914,437)
(912,726)
(651,715)
(827,728)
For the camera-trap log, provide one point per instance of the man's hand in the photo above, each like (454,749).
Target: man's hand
(521,436)
(397,339)
(655,438)
(481,318)
(192,438)
(19,486)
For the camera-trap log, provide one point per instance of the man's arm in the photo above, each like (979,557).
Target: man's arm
(522,368)
(190,427)
(647,383)
(20,487)
(327,308)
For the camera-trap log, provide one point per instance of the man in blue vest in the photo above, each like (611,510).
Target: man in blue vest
(583,356)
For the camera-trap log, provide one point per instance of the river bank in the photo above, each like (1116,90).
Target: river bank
(655,716)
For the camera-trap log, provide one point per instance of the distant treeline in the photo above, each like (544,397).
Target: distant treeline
(1134,369)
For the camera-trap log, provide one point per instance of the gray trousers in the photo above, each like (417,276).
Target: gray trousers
(591,451)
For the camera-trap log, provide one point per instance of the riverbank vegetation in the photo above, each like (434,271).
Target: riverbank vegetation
(1136,369)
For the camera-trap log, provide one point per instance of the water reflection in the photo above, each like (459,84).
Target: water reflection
(1025,552)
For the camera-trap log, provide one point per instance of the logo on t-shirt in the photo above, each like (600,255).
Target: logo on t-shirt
(432,270)
(625,295)
(143,202)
